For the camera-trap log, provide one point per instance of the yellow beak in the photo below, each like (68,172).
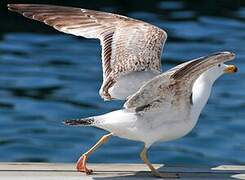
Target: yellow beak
(231,69)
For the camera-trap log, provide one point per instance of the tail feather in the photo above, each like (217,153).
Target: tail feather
(82,122)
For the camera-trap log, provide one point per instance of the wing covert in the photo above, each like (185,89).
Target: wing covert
(128,45)
(174,84)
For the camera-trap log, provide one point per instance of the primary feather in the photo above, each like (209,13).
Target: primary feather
(129,46)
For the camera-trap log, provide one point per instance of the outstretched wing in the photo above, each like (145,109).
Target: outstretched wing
(174,84)
(127,44)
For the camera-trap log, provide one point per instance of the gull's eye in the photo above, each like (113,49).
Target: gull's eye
(219,65)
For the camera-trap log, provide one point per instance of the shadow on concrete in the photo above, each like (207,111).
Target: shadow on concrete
(190,174)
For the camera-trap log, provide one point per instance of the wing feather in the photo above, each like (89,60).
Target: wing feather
(127,44)
(177,81)
(193,69)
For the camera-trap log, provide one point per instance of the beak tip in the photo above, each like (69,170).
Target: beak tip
(231,69)
(236,69)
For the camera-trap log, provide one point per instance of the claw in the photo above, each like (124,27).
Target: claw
(81,165)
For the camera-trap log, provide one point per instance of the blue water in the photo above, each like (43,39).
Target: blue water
(47,78)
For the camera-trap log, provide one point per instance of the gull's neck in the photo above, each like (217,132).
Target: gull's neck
(200,93)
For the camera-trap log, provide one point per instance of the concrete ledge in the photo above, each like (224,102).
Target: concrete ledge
(60,171)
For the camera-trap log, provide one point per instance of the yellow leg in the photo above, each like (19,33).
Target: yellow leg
(143,156)
(81,163)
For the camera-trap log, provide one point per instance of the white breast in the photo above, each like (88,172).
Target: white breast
(200,93)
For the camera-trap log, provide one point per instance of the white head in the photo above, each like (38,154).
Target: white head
(202,87)
(215,72)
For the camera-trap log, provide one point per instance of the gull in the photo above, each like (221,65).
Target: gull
(165,108)
(131,49)
(159,106)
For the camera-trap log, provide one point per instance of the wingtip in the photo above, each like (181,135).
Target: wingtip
(14,7)
(228,55)
(10,6)
(68,122)
(80,122)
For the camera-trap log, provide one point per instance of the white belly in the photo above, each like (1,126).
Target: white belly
(149,128)
(128,84)
(159,127)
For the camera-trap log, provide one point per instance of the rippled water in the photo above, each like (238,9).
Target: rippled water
(46,78)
